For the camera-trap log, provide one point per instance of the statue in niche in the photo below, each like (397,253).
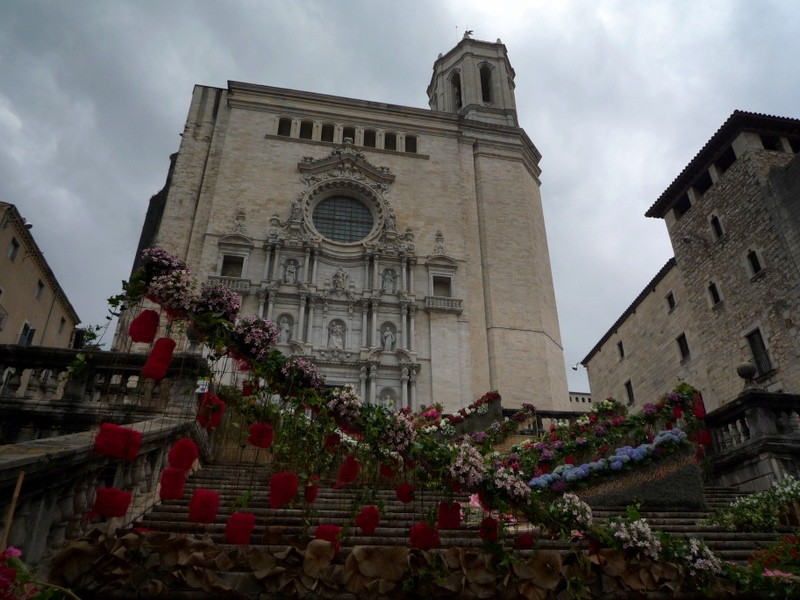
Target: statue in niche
(391,224)
(388,339)
(336,336)
(285,330)
(438,247)
(296,211)
(339,279)
(290,273)
(388,281)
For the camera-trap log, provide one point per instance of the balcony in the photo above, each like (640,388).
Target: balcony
(443,304)
(237,284)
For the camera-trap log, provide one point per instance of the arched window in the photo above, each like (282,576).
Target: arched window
(343,219)
(390,141)
(369,138)
(455,81)
(349,132)
(486,83)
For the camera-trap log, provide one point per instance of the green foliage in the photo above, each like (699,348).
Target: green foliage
(759,511)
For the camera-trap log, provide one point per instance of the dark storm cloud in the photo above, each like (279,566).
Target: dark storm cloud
(618,96)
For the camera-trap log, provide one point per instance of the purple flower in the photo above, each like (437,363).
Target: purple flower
(649,409)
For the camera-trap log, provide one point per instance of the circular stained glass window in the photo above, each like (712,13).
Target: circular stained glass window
(343,219)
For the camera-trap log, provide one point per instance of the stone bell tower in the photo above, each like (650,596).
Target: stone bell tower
(475,79)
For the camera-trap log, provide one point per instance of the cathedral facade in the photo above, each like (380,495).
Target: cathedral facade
(403,249)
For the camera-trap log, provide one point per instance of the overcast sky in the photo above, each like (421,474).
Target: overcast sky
(617,96)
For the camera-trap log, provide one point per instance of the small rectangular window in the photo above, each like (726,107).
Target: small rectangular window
(703,183)
(349,133)
(327,133)
(306,130)
(671,301)
(39,289)
(232,266)
(771,142)
(411,143)
(681,206)
(369,138)
(621,349)
(13,249)
(26,335)
(759,352)
(725,161)
(629,392)
(716,227)
(390,141)
(285,127)
(441,287)
(713,291)
(683,346)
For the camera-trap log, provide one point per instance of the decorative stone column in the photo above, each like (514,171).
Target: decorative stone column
(362,381)
(376,273)
(364,326)
(301,331)
(374,331)
(412,311)
(311,303)
(401,335)
(413,379)
(404,388)
(276,265)
(268,251)
(373,383)
(271,303)
(306,261)
(412,263)
(403,278)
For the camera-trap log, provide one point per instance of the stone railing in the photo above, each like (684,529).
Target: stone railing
(443,304)
(60,478)
(237,284)
(51,403)
(48,391)
(755,439)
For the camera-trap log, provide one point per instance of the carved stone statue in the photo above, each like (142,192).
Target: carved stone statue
(391,224)
(286,330)
(290,273)
(296,211)
(388,281)
(388,339)
(339,279)
(336,336)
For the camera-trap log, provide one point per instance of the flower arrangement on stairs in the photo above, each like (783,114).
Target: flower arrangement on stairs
(315,434)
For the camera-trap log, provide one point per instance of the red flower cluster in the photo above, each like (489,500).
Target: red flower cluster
(209,415)
(203,506)
(423,537)
(368,519)
(173,482)
(348,472)
(405,492)
(282,488)
(239,527)
(159,360)
(489,529)
(449,515)
(183,454)
(261,435)
(143,328)
(111,502)
(330,533)
(118,442)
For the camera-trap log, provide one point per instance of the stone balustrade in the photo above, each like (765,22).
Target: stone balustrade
(52,391)
(755,439)
(443,304)
(61,475)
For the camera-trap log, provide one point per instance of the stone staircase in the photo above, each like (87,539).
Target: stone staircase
(277,528)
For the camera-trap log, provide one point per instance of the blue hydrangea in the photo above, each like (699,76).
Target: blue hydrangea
(616,465)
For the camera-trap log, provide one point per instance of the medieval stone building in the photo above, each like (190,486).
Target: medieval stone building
(731,294)
(403,249)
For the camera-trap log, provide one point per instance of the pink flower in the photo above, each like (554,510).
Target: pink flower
(13,552)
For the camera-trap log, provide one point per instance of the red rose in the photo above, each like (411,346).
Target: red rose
(387,471)
(368,519)
(405,492)
(423,537)
(282,488)
(698,407)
